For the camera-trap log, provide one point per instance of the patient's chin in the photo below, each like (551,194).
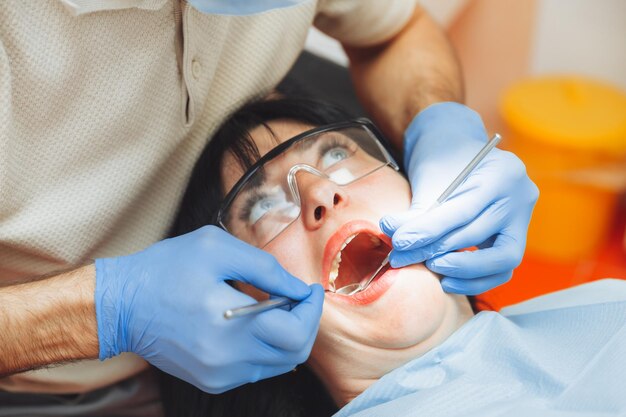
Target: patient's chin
(409,313)
(414,309)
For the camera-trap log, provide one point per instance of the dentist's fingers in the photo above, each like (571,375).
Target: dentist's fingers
(264,372)
(391,222)
(489,223)
(246,372)
(504,256)
(439,221)
(474,286)
(263,271)
(292,330)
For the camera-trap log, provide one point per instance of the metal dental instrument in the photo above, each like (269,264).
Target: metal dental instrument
(357,287)
(258,307)
(352,289)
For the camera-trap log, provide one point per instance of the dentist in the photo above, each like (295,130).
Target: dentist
(104,108)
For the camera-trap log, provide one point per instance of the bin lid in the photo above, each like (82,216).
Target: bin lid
(569,111)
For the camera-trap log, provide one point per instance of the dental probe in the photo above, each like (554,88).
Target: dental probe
(258,307)
(282,301)
(352,289)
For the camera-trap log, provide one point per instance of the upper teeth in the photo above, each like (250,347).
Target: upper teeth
(348,240)
(334,269)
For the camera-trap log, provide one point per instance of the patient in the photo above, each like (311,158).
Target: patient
(315,206)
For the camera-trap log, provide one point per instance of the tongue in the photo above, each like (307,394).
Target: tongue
(359,260)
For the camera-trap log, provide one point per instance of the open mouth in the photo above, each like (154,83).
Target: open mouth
(358,258)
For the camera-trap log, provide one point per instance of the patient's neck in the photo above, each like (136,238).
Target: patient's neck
(348,368)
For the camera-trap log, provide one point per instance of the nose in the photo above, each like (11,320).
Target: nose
(319,197)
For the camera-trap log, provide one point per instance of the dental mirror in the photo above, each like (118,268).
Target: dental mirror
(352,289)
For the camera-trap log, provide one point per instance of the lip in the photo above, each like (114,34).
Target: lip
(333,245)
(373,292)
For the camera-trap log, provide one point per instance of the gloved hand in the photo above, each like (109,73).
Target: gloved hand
(166,304)
(491,209)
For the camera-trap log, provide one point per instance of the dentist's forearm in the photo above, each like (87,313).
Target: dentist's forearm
(49,321)
(399,78)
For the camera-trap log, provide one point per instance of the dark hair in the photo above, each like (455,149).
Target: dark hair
(295,394)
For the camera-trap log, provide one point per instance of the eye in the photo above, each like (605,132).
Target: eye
(260,203)
(334,155)
(261,207)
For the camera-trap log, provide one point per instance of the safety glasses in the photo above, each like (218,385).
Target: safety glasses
(266,200)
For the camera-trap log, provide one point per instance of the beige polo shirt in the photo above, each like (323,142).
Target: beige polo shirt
(104,108)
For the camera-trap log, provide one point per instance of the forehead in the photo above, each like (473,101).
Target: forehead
(282,130)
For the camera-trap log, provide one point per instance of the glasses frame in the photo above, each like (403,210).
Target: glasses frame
(281,148)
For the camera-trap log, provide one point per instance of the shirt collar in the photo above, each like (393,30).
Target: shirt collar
(80,7)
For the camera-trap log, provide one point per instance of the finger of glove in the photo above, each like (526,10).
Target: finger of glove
(443,219)
(474,286)
(266,354)
(474,233)
(237,375)
(391,222)
(291,330)
(471,197)
(504,256)
(222,379)
(263,271)
(265,371)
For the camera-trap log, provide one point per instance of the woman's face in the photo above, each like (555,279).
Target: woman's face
(401,309)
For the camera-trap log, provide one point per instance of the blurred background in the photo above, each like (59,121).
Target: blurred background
(550,75)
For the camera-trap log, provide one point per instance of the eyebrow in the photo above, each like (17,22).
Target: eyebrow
(257,180)
(304,144)
(307,143)
(301,146)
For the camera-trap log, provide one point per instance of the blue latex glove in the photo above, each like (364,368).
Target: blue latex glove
(166,304)
(241,7)
(491,209)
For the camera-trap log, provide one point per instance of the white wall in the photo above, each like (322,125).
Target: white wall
(581,36)
(570,36)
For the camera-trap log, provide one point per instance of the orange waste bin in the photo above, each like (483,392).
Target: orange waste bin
(571,134)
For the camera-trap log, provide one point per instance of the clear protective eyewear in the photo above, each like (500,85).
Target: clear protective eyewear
(266,200)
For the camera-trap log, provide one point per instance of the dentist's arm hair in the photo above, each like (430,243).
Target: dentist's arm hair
(397,79)
(48,321)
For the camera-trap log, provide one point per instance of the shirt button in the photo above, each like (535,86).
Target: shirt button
(196,68)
